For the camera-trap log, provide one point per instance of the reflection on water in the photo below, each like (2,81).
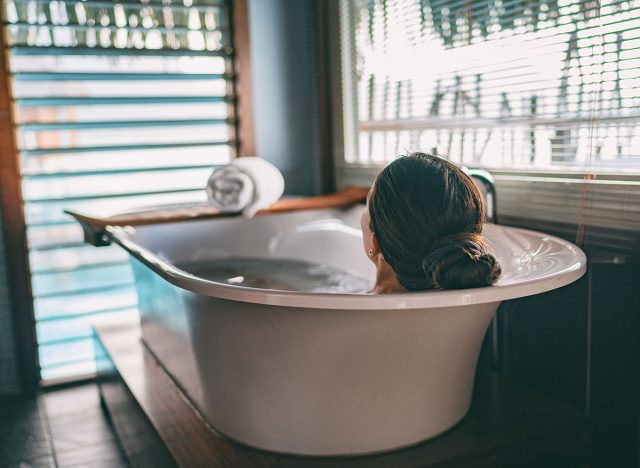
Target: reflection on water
(283,275)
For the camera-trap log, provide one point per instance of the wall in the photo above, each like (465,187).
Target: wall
(579,344)
(284,36)
(9,378)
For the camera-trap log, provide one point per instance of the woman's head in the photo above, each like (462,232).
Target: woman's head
(425,217)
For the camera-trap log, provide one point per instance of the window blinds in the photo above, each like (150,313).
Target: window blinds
(498,83)
(528,89)
(116,104)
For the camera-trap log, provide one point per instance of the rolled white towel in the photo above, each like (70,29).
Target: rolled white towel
(247,184)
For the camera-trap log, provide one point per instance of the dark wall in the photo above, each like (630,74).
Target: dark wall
(581,344)
(9,376)
(284,39)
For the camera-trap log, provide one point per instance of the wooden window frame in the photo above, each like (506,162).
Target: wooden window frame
(15,233)
(11,200)
(243,85)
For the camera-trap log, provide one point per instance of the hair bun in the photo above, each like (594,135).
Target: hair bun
(461,261)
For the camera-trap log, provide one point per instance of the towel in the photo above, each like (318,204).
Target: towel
(245,185)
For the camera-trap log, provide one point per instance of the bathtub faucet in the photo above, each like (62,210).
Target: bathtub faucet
(487,185)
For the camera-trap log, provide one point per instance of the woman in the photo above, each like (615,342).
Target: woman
(422,228)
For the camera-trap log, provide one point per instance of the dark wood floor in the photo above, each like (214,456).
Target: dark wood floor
(59,428)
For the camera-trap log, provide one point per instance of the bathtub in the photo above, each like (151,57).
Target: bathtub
(322,374)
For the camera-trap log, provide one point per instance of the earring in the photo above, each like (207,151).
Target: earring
(370,252)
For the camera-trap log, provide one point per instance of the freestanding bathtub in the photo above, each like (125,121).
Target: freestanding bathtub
(322,374)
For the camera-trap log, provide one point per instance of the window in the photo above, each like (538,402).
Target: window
(539,92)
(116,104)
(498,83)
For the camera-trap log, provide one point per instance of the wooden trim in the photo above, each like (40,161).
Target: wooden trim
(15,232)
(245,130)
(94,224)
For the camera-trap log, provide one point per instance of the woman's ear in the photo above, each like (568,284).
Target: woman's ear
(374,250)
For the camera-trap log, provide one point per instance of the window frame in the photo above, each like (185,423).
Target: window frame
(15,238)
(12,203)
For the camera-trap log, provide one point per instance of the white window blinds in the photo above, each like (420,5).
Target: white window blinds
(508,83)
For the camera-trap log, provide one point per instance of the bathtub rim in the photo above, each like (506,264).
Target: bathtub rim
(409,300)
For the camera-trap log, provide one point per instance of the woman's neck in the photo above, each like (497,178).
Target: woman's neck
(386,279)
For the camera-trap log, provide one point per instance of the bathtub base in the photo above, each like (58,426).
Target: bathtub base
(507,425)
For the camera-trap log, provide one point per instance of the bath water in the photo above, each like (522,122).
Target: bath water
(283,275)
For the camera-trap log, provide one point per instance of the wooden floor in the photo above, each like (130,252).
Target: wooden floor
(507,426)
(62,427)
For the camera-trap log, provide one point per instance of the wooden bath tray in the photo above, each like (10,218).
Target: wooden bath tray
(93,224)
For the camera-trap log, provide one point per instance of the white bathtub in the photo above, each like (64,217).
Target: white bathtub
(322,374)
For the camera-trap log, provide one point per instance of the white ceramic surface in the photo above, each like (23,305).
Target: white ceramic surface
(323,374)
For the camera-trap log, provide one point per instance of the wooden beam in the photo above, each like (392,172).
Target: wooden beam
(245,130)
(15,230)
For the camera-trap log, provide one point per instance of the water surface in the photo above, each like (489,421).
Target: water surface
(283,275)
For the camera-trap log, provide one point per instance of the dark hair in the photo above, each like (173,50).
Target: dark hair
(427,216)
